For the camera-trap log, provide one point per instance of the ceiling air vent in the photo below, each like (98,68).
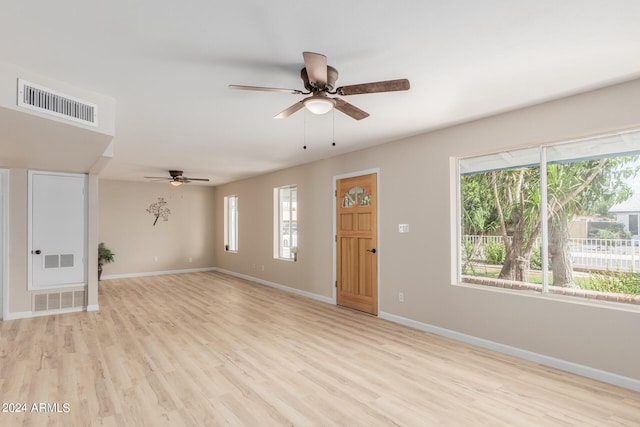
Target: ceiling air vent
(48,101)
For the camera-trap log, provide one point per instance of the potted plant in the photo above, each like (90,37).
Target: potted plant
(105,256)
(294,251)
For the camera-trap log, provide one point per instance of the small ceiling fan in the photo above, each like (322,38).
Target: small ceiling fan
(176,178)
(319,81)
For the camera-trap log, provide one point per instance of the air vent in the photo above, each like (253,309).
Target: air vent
(48,101)
(59,300)
(66,299)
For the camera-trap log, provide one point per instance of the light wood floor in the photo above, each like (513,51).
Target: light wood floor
(208,349)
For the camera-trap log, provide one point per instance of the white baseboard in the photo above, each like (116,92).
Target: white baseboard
(278,286)
(563,365)
(155,273)
(18,315)
(29,314)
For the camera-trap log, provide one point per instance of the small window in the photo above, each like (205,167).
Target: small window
(286,223)
(231,223)
(356,196)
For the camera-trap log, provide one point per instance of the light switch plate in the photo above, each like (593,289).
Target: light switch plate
(403,228)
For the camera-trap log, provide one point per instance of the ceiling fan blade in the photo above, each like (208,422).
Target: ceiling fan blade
(375,87)
(289,111)
(157,177)
(267,89)
(350,109)
(316,65)
(195,179)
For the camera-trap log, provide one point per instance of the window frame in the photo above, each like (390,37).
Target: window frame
(623,148)
(279,223)
(231,223)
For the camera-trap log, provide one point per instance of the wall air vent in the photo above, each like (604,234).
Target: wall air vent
(48,101)
(53,301)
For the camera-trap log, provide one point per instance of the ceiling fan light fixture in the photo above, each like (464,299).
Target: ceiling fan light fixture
(319,104)
(175,183)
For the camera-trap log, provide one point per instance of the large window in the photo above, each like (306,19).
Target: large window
(554,219)
(231,223)
(286,224)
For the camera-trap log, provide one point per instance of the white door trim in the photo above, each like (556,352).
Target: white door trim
(334,274)
(30,286)
(4,241)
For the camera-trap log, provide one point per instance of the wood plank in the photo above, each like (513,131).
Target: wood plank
(209,349)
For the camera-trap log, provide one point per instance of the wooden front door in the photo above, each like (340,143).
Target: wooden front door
(357,263)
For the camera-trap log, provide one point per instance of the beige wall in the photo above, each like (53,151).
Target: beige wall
(19,297)
(415,177)
(127,228)
(312,271)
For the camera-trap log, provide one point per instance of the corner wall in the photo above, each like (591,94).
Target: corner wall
(183,242)
(416,189)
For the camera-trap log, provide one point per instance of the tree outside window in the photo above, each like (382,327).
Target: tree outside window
(541,219)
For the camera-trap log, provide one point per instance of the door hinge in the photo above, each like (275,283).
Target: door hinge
(335,237)
(336,283)
(335,193)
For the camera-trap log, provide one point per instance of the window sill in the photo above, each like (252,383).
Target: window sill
(633,300)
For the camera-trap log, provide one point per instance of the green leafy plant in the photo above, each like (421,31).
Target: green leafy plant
(535,262)
(468,250)
(619,282)
(495,252)
(105,256)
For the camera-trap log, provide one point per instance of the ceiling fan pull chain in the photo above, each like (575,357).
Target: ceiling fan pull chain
(333,137)
(304,131)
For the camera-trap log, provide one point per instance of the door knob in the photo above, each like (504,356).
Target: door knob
(373,251)
(37,252)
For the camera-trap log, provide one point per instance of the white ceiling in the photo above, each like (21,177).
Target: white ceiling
(168,63)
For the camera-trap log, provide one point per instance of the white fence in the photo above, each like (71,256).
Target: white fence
(586,253)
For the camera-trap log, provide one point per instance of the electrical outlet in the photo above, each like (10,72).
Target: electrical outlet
(401,296)
(190,259)
(155,258)
(262,266)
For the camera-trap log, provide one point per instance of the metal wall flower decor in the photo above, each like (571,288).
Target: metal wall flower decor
(159,210)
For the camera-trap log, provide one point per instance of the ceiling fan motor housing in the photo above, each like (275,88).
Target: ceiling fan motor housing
(332,77)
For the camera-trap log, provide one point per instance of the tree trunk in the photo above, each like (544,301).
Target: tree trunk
(508,271)
(515,267)
(561,264)
(516,262)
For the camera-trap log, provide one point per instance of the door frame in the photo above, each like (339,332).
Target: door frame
(4,241)
(85,255)
(334,275)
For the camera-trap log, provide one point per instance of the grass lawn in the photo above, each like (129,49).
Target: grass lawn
(605,281)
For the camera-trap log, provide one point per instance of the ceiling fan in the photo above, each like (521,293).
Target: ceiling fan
(319,81)
(176,178)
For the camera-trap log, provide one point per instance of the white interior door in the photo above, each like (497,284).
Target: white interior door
(58,230)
